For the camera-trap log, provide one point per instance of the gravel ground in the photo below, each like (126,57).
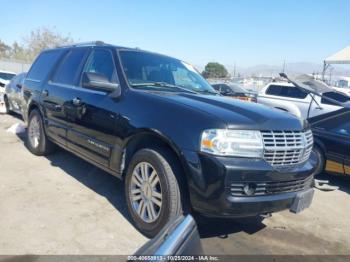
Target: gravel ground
(62,205)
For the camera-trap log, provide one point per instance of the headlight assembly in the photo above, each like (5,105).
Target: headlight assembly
(239,143)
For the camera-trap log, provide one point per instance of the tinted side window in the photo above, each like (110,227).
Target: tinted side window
(293,92)
(69,68)
(43,65)
(334,96)
(274,90)
(216,87)
(342,129)
(14,81)
(339,125)
(286,91)
(101,62)
(226,89)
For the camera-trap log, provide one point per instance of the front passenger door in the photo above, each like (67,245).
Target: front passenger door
(91,112)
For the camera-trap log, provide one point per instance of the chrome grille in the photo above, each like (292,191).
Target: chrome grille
(286,148)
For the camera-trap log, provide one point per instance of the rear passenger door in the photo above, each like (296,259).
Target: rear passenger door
(91,112)
(60,88)
(37,77)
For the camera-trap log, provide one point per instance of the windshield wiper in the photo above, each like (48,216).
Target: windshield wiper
(166,85)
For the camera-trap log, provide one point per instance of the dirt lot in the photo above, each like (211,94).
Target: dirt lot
(63,205)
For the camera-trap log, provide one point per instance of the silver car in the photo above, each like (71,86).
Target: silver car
(13,96)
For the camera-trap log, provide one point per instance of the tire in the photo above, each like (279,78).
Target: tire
(37,141)
(150,160)
(320,159)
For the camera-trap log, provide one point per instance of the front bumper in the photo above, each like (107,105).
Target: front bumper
(210,181)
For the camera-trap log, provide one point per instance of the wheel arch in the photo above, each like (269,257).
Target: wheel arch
(147,138)
(31,106)
(318,143)
(155,140)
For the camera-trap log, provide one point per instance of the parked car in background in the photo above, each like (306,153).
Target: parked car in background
(13,96)
(5,77)
(332,141)
(154,122)
(331,130)
(285,96)
(344,90)
(235,91)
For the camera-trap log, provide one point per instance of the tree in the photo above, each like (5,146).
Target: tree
(4,50)
(38,40)
(214,70)
(18,52)
(43,38)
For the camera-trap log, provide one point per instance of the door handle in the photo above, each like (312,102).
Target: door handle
(45,92)
(76,101)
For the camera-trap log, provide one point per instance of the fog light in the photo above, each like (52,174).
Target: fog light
(249,189)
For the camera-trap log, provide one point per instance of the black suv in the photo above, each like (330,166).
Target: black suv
(154,122)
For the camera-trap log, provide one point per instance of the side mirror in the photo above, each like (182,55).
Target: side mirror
(98,82)
(19,86)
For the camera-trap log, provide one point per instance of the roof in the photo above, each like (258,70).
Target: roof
(341,57)
(101,43)
(96,43)
(280,84)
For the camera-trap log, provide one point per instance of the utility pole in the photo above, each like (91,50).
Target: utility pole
(284,66)
(234,70)
(330,75)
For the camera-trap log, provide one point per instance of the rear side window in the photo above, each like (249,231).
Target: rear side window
(335,96)
(43,65)
(274,90)
(293,92)
(67,72)
(286,91)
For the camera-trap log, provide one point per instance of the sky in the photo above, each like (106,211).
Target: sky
(242,32)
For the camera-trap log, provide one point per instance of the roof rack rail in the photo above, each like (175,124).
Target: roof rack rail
(84,44)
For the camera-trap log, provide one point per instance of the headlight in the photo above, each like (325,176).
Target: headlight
(241,143)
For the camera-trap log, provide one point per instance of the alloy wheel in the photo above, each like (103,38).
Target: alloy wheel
(146,192)
(34,132)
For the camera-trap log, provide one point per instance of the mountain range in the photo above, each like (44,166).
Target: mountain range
(290,68)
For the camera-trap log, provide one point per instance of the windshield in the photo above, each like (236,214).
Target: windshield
(152,71)
(6,76)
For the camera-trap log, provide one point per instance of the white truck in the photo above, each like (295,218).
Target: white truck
(5,78)
(285,96)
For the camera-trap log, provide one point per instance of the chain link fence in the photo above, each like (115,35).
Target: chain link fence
(15,66)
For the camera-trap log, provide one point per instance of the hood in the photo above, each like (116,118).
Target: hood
(237,114)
